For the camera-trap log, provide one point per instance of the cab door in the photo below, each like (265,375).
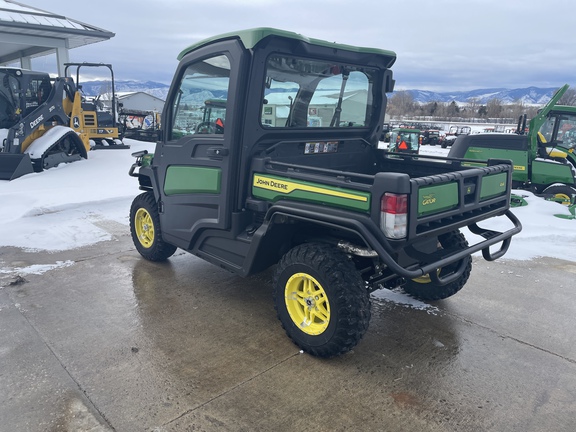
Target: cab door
(195,161)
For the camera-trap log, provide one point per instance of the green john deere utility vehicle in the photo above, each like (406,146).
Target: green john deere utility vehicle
(294,180)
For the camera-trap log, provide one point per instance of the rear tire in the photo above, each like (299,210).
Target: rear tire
(321,299)
(561,194)
(145,229)
(424,289)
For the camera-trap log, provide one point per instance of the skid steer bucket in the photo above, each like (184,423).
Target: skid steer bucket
(13,166)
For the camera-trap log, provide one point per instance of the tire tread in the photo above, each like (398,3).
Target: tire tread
(350,298)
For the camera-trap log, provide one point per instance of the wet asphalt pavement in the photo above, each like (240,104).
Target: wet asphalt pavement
(111,342)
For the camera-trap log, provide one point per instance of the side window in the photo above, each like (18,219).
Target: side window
(548,128)
(37,93)
(567,130)
(200,105)
(303,93)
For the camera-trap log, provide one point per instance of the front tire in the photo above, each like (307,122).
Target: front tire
(145,229)
(321,299)
(424,288)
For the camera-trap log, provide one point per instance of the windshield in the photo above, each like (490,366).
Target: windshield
(304,93)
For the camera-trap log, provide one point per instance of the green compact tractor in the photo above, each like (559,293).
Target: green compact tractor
(543,156)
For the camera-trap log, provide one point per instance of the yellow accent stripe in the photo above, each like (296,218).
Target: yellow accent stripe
(288,187)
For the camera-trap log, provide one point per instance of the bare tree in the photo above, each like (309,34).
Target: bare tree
(401,103)
(517,109)
(569,98)
(473,107)
(494,108)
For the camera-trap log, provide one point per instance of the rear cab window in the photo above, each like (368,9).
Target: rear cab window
(304,93)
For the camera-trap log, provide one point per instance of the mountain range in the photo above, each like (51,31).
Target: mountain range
(529,95)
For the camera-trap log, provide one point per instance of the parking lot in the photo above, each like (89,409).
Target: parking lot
(97,339)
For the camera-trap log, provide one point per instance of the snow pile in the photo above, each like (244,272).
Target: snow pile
(543,234)
(65,207)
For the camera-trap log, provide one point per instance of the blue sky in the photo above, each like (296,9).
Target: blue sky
(445,45)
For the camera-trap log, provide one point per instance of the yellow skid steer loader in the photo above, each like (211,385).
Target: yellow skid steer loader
(45,122)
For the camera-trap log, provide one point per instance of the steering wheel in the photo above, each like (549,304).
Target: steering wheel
(209,128)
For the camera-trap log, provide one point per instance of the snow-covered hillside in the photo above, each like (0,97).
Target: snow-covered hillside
(529,95)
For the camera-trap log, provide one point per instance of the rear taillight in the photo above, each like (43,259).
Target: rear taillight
(394,215)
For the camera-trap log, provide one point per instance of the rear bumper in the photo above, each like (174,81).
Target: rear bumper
(374,238)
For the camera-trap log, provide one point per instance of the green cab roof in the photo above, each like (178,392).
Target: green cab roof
(251,37)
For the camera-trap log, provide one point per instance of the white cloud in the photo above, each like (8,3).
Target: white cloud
(442,45)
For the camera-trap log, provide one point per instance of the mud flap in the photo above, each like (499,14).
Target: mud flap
(13,166)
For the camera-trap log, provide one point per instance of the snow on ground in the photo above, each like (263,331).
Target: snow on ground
(60,208)
(38,269)
(70,206)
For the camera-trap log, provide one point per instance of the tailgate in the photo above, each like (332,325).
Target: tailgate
(459,198)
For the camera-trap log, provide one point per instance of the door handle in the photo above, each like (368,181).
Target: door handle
(217,152)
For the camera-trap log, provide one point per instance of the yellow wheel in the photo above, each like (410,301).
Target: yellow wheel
(321,299)
(307,304)
(561,194)
(425,278)
(562,199)
(144,227)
